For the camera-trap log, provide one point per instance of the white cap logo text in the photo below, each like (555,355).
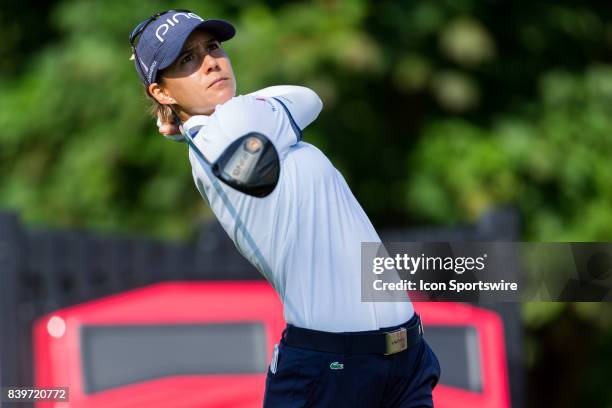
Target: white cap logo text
(163,29)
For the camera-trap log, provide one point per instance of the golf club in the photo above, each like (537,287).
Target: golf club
(250,164)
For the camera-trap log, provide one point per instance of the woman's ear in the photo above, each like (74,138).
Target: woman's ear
(160,94)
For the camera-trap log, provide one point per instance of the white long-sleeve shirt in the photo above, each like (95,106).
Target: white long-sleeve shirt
(305,237)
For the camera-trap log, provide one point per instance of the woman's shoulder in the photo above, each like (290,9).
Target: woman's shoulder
(243,105)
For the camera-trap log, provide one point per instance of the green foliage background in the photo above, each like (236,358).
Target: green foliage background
(434,111)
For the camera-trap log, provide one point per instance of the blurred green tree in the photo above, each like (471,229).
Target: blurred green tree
(79,150)
(552,163)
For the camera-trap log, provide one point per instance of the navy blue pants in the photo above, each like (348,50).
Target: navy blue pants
(307,378)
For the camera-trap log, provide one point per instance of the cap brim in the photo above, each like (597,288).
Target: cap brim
(221,29)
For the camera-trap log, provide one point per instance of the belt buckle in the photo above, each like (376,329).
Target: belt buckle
(396,341)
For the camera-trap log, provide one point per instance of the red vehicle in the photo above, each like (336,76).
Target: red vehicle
(188,345)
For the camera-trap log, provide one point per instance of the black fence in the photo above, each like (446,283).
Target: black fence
(45,270)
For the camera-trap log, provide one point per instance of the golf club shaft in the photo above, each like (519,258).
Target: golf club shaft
(188,138)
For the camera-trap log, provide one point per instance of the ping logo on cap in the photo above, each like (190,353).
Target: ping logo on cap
(171,22)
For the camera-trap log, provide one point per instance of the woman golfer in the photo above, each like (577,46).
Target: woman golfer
(304,237)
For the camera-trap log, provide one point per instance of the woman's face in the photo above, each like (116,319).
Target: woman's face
(199,79)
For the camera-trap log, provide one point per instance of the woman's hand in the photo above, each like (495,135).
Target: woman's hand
(167,128)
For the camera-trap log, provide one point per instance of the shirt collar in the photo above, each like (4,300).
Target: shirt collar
(195,121)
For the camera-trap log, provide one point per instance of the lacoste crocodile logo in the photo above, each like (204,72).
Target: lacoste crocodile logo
(336,366)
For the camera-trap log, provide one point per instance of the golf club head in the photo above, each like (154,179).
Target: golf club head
(250,165)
